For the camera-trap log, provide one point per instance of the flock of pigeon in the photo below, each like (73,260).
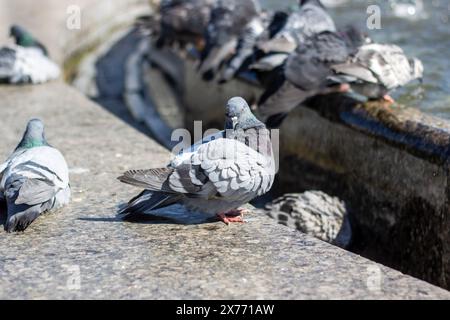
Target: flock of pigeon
(292,55)
(214,177)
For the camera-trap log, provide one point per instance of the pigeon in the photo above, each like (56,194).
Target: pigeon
(309,20)
(214,176)
(24,39)
(34,179)
(229,19)
(26,61)
(244,49)
(314,213)
(304,75)
(376,69)
(183,22)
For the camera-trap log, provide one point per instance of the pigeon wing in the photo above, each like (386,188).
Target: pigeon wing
(36,191)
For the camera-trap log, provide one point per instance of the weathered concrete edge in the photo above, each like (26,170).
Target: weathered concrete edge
(59,226)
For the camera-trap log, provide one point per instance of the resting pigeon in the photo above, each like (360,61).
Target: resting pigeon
(304,75)
(214,176)
(27,61)
(377,69)
(34,179)
(229,19)
(309,20)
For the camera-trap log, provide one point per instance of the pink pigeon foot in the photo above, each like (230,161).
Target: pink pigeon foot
(235,215)
(388,99)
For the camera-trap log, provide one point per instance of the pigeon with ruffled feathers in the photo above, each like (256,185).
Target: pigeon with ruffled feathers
(34,179)
(213,177)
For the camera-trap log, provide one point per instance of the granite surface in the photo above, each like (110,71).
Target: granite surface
(83,251)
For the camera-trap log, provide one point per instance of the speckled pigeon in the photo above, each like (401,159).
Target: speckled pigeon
(34,179)
(27,61)
(377,69)
(214,176)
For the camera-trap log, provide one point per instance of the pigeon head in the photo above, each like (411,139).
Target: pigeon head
(24,39)
(239,116)
(34,135)
(416,68)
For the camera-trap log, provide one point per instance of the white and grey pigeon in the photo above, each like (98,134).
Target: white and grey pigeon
(229,19)
(34,179)
(304,75)
(311,18)
(376,69)
(26,61)
(213,177)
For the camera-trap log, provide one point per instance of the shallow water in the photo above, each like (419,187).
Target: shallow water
(426,37)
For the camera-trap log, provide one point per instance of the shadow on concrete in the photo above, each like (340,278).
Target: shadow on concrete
(3,213)
(152,219)
(111,83)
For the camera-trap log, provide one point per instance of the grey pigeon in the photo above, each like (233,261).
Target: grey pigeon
(183,21)
(314,213)
(27,61)
(312,18)
(304,75)
(377,69)
(34,179)
(214,176)
(244,49)
(229,19)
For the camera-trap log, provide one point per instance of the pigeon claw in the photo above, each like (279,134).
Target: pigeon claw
(232,216)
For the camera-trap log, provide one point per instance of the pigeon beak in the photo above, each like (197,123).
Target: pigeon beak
(235,121)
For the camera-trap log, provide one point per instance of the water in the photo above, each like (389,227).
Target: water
(426,37)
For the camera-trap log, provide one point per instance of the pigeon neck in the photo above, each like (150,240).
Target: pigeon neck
(26,40)
(32,140)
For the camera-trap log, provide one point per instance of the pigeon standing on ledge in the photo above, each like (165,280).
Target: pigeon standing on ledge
(34,179)
(27,61)
(214,177)
(304,75)
(377,69)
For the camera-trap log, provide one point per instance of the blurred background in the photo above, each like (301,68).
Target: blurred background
(421,28)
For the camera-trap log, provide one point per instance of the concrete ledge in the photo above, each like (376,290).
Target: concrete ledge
(257,260)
